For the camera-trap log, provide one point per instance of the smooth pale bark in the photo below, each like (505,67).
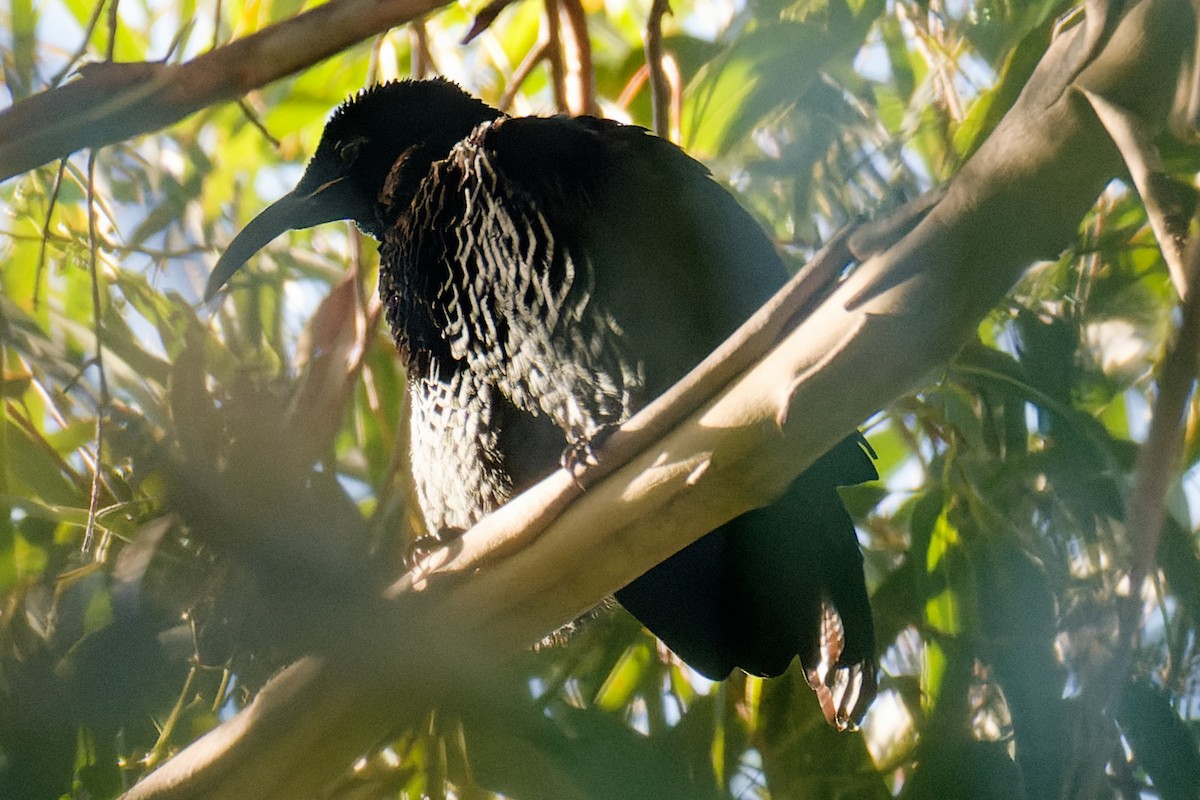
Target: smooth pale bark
(901,314)
(111,102)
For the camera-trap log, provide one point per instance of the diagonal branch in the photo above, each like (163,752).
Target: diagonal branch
(112,102)
(1168,216)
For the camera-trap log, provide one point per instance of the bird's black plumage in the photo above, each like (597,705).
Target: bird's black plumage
(546,277)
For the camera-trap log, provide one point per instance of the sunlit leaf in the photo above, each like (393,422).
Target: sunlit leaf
(24,21)
(624,679)
(769,67)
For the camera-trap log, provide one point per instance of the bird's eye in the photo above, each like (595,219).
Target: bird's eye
(349,151)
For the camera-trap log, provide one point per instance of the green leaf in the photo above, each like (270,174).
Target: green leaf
(994,103)
(768,68)
(1180,563)
(34,470)
(24,20)
(624,679)
(933,670)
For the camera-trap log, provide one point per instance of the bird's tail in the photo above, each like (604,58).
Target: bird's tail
(773,584)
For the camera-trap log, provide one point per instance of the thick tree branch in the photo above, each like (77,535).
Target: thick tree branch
(112,102)
(902,313)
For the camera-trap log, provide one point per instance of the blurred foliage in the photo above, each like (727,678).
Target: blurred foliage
(186,491)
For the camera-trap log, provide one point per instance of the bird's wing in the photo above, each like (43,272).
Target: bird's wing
(678,265)
(674,259)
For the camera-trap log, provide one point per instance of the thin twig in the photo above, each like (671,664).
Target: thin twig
(176,42)
(79,53)
(161,746)
(253,119)
(102,404)
(522,72)
(582,97)
(633,86)
(219,697)
(51,202)
(554,53)
(114,20)
(422,57)
(660,90)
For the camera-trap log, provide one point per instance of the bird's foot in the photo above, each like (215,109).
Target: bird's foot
(421,547)
(581,453)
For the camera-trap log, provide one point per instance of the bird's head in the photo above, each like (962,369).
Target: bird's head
(418,121)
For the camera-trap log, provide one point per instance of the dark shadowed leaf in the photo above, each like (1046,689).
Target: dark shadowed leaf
(1163,744)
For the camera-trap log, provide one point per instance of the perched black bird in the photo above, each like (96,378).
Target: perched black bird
(546,277)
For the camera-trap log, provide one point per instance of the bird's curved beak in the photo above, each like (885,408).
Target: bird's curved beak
(293,211)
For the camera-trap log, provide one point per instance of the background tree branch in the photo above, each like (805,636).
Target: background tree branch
(111,102)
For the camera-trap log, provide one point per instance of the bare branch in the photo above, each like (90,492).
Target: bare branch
(1157,467)
(51,203)
(660,89)
(522,72)
(422,57)
(581,93)
(1168,217)
(554,55)
(113,102)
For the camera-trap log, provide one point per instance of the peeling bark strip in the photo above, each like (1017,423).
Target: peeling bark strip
(902,314)
(112,102)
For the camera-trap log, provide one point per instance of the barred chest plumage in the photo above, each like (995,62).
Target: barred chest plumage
(490,312)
